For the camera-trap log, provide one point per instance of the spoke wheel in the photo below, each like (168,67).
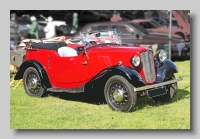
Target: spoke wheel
(32,83)
(119,94)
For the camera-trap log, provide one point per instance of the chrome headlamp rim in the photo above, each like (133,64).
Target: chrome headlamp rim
(162,56)
(135,61)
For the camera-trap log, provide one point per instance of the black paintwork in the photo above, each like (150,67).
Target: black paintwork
(42,73)
(165,70)
(130,74)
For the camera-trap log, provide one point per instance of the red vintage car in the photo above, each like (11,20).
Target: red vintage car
(98,62)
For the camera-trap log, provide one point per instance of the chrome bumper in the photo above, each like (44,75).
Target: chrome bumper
(157,85)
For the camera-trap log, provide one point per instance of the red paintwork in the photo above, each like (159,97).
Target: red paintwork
(70,72)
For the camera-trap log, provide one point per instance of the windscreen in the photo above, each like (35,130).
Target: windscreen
(100,37)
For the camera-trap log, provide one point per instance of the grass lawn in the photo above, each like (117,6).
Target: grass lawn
(79,111)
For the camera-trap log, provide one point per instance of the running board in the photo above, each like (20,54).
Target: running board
(67,90)
(157,85)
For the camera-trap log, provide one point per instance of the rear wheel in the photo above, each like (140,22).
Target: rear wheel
(119,94)
(171,91)
(32,83)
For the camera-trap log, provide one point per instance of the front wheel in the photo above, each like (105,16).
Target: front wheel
(32,83)
(119,94)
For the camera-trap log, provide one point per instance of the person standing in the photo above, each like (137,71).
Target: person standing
(50,29)
(75,23)
(68,20)
(115,17)
(33,28)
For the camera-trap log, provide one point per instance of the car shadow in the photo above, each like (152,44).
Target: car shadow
(96,98)
(145,101)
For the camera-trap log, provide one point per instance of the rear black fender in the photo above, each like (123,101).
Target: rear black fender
(43,75)
(165,70)
(130,74)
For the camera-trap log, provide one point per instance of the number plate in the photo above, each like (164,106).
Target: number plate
(156,92)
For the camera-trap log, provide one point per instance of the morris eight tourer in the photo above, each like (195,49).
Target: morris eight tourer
(97,61)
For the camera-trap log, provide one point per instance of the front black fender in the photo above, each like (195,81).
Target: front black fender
(130,74)
(42,73)
(165,70)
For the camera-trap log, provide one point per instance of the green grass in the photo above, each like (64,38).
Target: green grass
(76,111)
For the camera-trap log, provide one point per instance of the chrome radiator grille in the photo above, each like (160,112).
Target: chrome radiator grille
(148,66)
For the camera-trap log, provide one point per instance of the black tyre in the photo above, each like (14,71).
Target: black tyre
(119,94)
(32,83)
(171,91)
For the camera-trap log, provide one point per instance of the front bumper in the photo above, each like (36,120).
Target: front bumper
(157,85)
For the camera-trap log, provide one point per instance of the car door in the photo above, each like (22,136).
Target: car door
(70,69)
(127,34)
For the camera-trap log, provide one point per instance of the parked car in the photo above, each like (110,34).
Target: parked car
(132,34)
(157,14)
(152,25)
(92,16)
(122,73)
(133,14)
(164,22)
(180,21)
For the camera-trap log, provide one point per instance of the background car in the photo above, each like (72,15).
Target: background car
(152,25)
(132,34)
(164,22)
(92,16)
(157,14)
(180,25)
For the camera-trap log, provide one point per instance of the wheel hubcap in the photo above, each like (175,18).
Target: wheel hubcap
(118,95)
(33,83)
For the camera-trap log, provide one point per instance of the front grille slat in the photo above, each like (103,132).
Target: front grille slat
(148,66)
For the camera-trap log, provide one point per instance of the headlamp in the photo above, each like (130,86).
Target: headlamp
(135,61)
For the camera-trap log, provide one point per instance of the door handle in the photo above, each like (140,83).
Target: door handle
(84,63)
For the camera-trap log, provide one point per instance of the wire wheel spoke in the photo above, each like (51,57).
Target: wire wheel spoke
(118,94)
(33,83)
